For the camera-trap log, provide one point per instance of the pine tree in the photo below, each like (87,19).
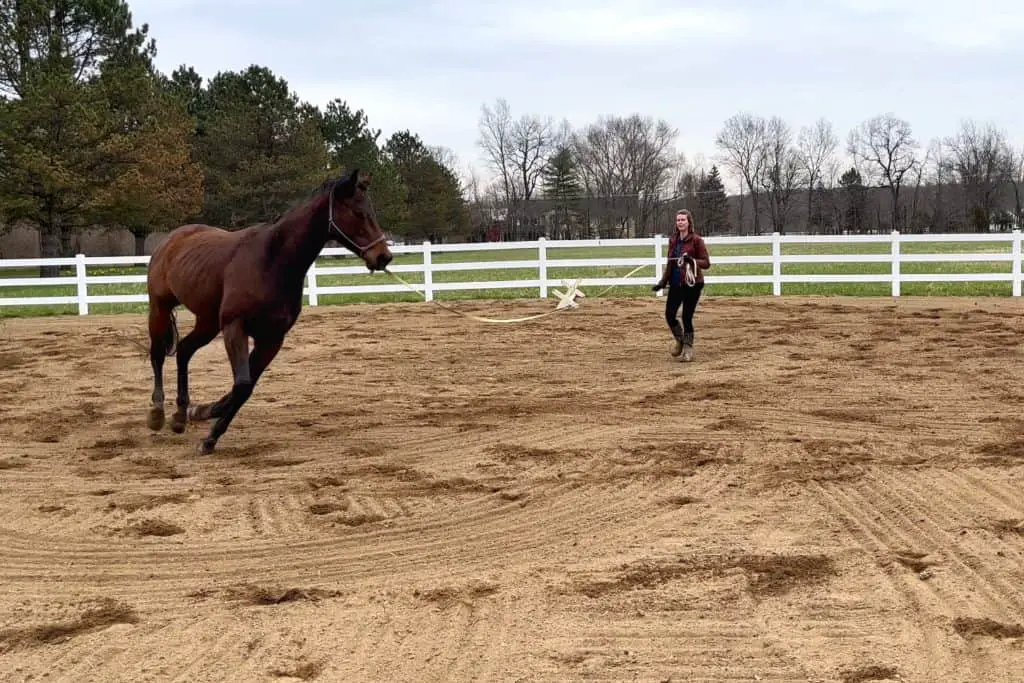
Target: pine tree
(262,148)
(713,203)
(560,177)
(85,133)
(856,199)
(352,143)
(434,204)
(820,218)
(560,181)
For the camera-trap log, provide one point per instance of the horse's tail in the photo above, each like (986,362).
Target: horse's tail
(171,337)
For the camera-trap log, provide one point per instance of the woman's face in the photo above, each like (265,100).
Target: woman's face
(682,223)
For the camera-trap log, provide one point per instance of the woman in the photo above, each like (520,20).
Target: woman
(687,259)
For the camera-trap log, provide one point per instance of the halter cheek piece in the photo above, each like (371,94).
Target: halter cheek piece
(343,238)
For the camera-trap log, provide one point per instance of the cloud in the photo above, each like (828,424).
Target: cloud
(986,24)
(429,65)
(618,25)
(388,107)
(973,32)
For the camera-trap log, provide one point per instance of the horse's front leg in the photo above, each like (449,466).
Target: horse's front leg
(246,373)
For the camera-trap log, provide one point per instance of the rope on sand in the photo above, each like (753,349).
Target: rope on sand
(566,301)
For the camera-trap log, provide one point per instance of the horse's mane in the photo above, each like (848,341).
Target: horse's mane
(329,182)
(308,204)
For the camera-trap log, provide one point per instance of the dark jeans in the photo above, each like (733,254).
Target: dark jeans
(685,296)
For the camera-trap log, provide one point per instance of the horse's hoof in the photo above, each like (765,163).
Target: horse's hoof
(206,447)
(177,425)
(195,414)
(155,419)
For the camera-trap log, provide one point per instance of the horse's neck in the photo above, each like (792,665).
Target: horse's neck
(298,243)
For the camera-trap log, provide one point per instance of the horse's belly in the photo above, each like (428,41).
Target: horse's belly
(198,282)
(202,301)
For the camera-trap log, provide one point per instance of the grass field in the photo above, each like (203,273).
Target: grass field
(557,274)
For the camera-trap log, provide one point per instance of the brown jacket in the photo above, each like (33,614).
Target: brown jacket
(693,244)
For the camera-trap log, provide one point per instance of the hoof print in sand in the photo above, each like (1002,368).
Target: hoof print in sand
(447,596)
(869,673)
(153,527)
(106,613)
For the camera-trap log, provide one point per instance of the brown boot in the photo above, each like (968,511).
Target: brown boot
(677,332)
(687,347)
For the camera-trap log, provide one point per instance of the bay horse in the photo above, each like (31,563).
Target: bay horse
(247,283)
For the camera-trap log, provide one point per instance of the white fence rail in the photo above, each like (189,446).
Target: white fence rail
(315,288)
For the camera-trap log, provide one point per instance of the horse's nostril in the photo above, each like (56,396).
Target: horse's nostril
(383,260)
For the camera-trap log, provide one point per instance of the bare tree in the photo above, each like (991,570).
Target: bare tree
(472,185)
(497,139)
(917,177)
(534,140)
(780,175)
(629,163)
(517,150)
(683,172)
(479,198)
(935,172)
(886,150)
(1017,183)
(981,160)
(816,147)
(444,156)
(742,145)
(687,178)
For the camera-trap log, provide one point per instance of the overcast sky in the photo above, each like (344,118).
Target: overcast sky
(429,65)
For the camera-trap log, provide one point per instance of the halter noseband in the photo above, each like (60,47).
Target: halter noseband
(345,239)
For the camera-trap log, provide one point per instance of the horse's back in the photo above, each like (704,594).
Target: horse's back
(188,267)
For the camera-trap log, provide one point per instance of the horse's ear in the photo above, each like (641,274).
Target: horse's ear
(348,188)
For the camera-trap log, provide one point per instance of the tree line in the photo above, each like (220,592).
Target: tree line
(92,134)
(623,176)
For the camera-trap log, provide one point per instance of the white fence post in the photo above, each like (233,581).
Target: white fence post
(895,262)
(311,277)
(542,271)
(428,275)
(83,301)
(659,262)
(1016,263)
(776,264)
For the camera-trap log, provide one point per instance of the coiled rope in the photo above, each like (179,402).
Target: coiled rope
(689,267)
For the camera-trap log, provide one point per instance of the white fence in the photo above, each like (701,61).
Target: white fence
(314,289)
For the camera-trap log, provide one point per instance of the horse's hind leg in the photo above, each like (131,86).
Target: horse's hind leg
(205,330)
(160,330)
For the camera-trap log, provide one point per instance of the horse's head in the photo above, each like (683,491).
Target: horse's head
(352,222)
